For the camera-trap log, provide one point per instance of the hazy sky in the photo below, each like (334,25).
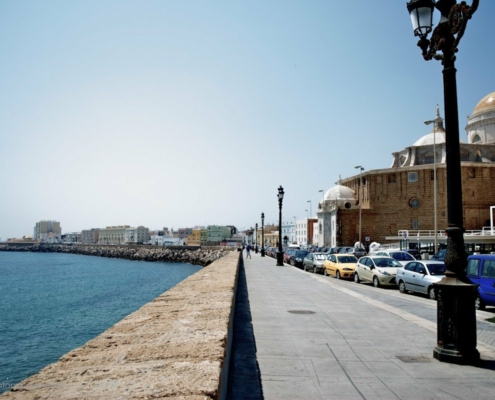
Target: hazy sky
(183,113)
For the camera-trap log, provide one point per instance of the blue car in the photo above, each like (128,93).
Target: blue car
(481,270)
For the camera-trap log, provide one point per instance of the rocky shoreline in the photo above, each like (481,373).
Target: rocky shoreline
(196,256)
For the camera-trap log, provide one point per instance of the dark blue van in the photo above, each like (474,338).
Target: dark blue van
(481,270)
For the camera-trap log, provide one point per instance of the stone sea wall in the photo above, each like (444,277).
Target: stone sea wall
(196,256)
(176,347)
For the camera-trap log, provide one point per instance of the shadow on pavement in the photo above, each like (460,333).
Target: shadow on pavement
(244,373)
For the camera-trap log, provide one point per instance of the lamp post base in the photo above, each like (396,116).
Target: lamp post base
(280,259)
(456,322)
(262,252)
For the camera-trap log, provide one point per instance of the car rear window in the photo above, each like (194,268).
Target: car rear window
(436,269)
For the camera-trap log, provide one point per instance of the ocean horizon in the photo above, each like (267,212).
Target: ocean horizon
(52,303)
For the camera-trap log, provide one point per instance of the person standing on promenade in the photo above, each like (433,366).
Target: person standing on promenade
(248,251)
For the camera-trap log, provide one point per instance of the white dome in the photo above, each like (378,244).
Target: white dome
(339,192)
(437,137)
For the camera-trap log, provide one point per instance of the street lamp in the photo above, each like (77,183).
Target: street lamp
(436,123)
(456,314)
(280,254)
(360,199)
(262,234)
(256,238)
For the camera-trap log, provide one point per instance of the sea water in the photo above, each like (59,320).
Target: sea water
(51,303)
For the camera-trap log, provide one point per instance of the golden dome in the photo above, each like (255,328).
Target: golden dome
(486,104)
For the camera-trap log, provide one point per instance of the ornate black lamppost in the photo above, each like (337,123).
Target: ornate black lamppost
(280,253)
(262,234)
(256,238)
(456,314)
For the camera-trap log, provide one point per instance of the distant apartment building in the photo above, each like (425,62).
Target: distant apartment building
(90,236)
(43,228)
(112,234)
(72,237)
(166,241)
(184,232)
(137,235)
(194,239)
(216,234)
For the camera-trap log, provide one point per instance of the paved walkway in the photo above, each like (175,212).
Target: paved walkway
(320,338)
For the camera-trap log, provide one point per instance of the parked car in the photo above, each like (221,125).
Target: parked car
(419,276)
(481,271)
(296,258)
(314,262)
(356,252)
(402,256)
(439,256)
(344,249)
(340,265)
(379,270)
(415,253)
(287,255)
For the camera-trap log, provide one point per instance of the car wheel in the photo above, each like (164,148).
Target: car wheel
(337,274)
(356,278)
(478,303)
(402,287)
(376,283)
(431,293)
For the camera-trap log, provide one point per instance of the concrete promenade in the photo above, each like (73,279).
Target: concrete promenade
(321,338)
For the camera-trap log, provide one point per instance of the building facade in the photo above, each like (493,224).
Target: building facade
(402,197)
(43,228)
(216,233)
(90,235)
(112,234)
(137,235)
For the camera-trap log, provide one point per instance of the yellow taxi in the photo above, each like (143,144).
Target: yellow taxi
(340,265)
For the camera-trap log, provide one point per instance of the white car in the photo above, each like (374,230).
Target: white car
(419,276)
(377,269)
(402,256)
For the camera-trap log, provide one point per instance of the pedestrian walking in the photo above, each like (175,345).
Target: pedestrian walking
(248,251)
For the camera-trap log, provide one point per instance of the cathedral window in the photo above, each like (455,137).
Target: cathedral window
(414,202)
(476,138)
(472,172)
(414,223)
(412,176)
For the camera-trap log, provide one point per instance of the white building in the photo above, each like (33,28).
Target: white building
(136,235)
(302,232)
(166,241)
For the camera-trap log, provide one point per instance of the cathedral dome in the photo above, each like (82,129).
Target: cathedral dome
(339,192)
(433,137)
(485,105)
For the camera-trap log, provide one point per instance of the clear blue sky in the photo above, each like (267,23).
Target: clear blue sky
(182,113)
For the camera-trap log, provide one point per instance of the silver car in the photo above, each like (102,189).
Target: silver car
(419,276)
(314,262)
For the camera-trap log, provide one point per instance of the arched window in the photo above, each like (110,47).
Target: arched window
(476,138)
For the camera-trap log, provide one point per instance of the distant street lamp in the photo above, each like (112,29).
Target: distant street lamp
(262,234)
(436,122)
(280,254)
(360,198)
(456,313)
(256,238)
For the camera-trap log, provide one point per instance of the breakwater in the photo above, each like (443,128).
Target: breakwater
(176,346)
(196,255)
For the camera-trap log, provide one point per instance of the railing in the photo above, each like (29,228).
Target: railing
(408,234)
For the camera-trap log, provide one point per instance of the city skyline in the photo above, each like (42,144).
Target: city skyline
(180,114)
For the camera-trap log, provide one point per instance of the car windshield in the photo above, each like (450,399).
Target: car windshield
(437,269)
(347,259)
(387,262)
(320,257)
(302,253)
(402,256)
